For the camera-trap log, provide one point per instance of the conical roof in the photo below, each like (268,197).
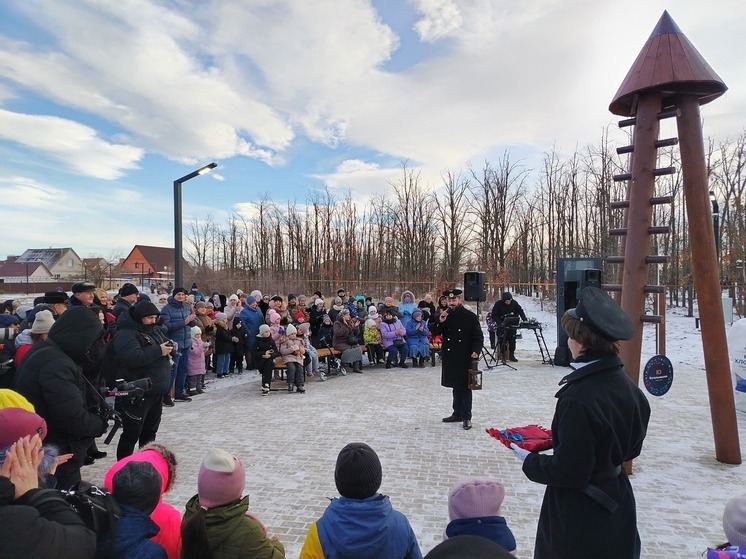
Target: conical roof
(669,64)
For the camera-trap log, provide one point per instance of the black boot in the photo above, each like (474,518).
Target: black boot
(422,362)
(357,367)
(512,357)
(414,362)
(403,364)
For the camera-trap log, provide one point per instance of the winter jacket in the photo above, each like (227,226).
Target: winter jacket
(462,336)
(417,339)
(232,534)
(727,552)
(251,319)
(288,347)
(361,528)
(600,422)
(407,306)
(491,527)
(262,345)
(173,317)
(135,352)
(41,525)
(51,378)
(326,335)
(342,332)
(372,336)
(223,341)
(389,334)
(315,318)
(132,533)
(120,306)
(166,516)
(239,332)
(500,311)
(196,365)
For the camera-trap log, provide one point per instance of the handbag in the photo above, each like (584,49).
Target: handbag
(352,340)
(398,342)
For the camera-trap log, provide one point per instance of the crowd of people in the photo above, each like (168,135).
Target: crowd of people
(156,356)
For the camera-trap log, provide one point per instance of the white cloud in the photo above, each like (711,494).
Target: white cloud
(74,145)
(439,19)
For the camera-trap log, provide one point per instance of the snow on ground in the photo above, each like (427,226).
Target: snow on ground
(290,443)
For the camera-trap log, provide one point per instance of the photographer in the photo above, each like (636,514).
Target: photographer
(505,308)
(139,350)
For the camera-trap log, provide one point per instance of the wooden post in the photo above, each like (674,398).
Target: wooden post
(707,282)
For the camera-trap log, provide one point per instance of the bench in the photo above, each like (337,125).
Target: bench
(322,353)
(434,350)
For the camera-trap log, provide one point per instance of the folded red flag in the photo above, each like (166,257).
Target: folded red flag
(531,437)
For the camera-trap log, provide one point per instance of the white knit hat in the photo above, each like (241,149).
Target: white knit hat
(290,330)
(734,521)
(42,322)
(196,330)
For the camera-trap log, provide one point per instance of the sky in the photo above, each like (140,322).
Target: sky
(104,103)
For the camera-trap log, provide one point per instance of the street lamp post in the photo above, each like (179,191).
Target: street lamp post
(177,219)
(716,226)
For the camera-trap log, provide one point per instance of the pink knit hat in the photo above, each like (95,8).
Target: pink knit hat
(473,497)
(16,423)
(221,479)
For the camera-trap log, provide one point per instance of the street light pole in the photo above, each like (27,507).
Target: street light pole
(177,219)
(716,228)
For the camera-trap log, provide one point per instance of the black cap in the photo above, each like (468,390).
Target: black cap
(143,309)
(52,297)
(600,313)
(81,286)
(452,293)
(358,471)
(128,289)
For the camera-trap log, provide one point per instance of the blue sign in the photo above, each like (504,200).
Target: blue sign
(658,375)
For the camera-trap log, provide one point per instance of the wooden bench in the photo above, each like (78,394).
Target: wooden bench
(434,350)
(322,353)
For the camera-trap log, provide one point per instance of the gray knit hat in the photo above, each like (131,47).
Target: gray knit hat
(734,521)
(138,485)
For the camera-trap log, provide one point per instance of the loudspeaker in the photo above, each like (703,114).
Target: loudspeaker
(475,286)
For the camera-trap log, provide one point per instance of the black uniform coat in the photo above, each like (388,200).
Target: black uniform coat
(600,422)
(462,336)
(51,378)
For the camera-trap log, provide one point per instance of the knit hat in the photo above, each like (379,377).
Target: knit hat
(82,286)
(143,309)
(473,497)
(344,311)
(734,521)
(16,423)
(290,330)
(318,302)
(179,290)
(256,294)
(473,547)
(370,323)
(138,485)
(507,296)
(305,328)
(263,329)
(358,471)
(201,305)
(221,316)
(12,399)
(372,311)
(300,315)
(127,289)
(221,479)
(325,318)
(416,312)
(233,297)
(194,286)
(42,322)
(291,296)
(274,318)
(196,330)
(338,300)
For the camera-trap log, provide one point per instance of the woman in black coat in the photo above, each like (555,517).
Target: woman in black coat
(51,378)
(599,423)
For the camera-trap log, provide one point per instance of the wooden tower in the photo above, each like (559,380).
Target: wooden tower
(670,79)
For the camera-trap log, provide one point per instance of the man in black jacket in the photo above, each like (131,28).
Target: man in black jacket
(137,351)
(462,343)
(51,378)
(504,309)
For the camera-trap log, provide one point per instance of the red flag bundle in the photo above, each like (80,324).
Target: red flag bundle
(531,437)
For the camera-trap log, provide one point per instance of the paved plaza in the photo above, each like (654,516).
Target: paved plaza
(289,443)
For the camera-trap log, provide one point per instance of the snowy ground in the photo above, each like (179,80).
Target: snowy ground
(290,444)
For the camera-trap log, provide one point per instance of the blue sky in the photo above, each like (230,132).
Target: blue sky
(104,103)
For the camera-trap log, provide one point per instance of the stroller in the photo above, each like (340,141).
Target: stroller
(334,365)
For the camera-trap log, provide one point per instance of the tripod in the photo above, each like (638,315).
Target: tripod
(496,357)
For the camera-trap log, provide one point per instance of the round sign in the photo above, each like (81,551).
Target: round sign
(658,375)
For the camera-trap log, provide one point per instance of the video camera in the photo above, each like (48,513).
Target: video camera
(134,390)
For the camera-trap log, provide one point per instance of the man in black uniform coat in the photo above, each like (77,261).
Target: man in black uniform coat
(505,308)
(462,343)
(599,423)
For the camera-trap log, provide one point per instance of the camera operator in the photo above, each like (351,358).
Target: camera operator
(51,378)
(507,307)
(139,350)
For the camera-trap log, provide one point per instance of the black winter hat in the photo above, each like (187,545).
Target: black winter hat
(138,485)
(467,545)
(507,296)
(128,289)
(358,472)
(82,286)
(143,309)
(52,297)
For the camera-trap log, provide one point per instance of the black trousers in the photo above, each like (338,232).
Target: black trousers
(506,337)
(462,398)
(140,422)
